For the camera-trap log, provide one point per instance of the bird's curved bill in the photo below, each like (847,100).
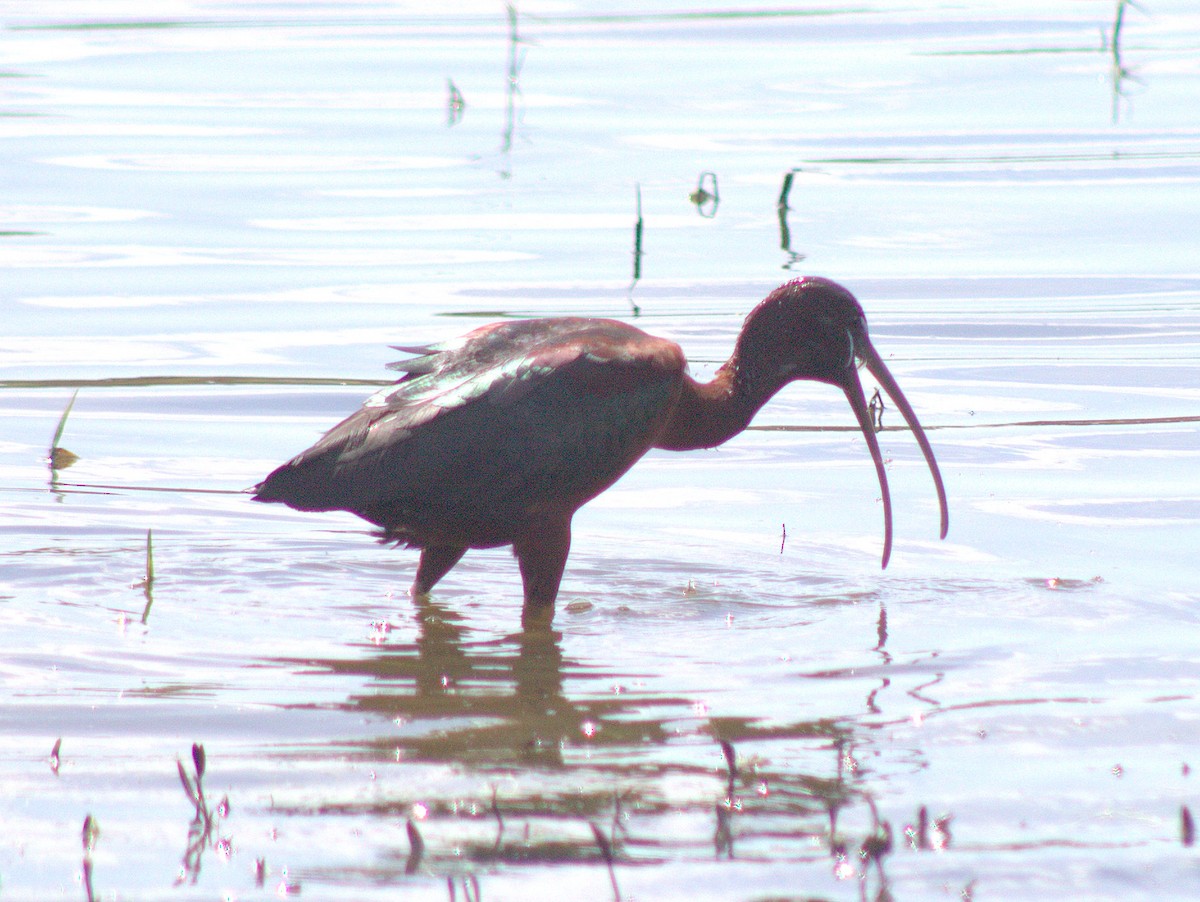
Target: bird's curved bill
(851,385)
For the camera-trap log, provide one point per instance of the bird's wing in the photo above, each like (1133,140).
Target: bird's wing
(535,409)
(500,361)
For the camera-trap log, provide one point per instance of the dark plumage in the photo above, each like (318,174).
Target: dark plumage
(499,436)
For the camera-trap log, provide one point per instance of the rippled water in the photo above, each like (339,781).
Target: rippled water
(216,218)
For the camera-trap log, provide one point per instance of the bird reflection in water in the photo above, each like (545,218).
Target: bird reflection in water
(564,760)
(511,687)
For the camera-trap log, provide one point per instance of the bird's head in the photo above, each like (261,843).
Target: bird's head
(810,328)
(814,329)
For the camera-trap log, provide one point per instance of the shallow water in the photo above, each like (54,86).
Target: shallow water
(217,218)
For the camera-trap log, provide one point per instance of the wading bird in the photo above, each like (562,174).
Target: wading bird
(498,437)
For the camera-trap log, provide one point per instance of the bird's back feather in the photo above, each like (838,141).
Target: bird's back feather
(487,431)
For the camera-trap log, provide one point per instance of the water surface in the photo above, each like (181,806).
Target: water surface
(216,219)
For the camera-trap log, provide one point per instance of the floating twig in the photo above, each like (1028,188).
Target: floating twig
(875,847)
(416,850)
(147,582)
(706,201)
(59,457)
(198,760)
(470,885)
(89,835)
(618,821)
(730,762)
(918,834)
(637,252)
(149,558)
(878,844)
(723,835)
(204,822)
(1120,73)
(512,88)
(606,852)
(499,821)
(875,408)
(454,104)
(781,209)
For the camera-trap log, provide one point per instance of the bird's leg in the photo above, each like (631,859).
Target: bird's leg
(542,556)
(436,562)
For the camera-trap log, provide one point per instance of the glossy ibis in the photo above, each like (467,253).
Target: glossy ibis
(499,436)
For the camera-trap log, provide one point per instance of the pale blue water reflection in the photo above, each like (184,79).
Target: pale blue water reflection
(210,204)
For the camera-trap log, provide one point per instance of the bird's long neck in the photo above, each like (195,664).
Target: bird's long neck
(710,413)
